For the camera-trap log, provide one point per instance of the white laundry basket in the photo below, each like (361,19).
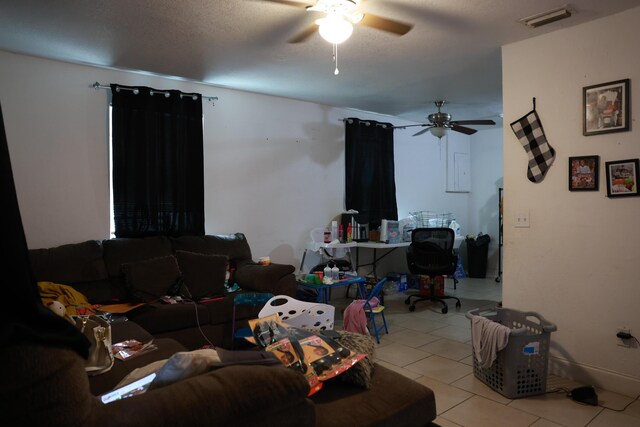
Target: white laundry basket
(300,314)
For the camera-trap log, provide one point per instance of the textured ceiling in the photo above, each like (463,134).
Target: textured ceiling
(452,51)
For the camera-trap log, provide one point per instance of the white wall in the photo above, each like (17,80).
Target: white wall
(486,179)
(274,167)
(578,262)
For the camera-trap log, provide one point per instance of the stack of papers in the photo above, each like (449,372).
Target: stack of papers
(131,348)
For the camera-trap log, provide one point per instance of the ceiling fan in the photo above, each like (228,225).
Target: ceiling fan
(441,122)
(340,15)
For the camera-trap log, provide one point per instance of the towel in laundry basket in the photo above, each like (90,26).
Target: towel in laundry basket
(488,338)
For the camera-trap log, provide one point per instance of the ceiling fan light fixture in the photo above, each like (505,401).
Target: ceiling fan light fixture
(438,131)
(334,28)
(356,17)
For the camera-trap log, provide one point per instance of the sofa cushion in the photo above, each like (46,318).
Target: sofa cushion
(234,246)
(152,279)
(127,250)
(160,318)
(68,264)
(203,275)
(122,250)
(260,278)
(79,265)
(392,400)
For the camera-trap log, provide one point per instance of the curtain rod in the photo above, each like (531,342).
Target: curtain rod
(366,123)
(97,86)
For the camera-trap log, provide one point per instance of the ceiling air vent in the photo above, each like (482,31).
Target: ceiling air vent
(548,17)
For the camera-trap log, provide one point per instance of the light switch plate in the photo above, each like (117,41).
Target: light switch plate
(522,220)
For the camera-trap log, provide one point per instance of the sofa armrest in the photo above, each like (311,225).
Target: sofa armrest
(277,279)
(235,395)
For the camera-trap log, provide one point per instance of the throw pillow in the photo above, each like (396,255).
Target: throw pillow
(151,279)
(360,373)
(203,274)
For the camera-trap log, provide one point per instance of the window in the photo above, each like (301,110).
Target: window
(157,169)
(370,171)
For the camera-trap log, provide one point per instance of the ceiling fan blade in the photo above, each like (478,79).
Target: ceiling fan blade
(422,131)
(473,122)
(385,24)
(304,34)
(465,130)
(408,126)
(290,3)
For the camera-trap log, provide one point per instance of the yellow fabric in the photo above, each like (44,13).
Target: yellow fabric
(73,300)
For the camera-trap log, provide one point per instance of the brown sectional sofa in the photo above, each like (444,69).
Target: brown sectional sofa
(95,269)
(60,393)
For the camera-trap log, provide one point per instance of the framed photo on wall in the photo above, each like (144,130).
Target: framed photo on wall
(622,178)
(606,107)
(584,173)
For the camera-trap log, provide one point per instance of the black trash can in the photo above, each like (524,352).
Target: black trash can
(477,253)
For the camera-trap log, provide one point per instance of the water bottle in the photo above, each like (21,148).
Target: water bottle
(334,230)
(326,273)
(335,273)
(455,227)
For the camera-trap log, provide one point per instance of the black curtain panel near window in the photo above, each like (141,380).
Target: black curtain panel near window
(158,162)
(369,171)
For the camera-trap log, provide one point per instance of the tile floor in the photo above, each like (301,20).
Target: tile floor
(435,350)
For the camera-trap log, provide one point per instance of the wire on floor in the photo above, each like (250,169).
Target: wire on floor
(195,306)
(568,393)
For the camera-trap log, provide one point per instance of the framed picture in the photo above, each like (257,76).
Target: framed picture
(584,173)
(606,108)
(622,178)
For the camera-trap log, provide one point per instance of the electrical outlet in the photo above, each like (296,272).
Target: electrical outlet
(522,220)
(623,342)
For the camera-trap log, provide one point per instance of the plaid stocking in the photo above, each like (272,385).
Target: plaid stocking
(529,131)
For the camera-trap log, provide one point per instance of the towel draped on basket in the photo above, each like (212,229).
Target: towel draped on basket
(488,338)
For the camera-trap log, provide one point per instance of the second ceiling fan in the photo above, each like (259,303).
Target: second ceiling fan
(440,122)
(340,15)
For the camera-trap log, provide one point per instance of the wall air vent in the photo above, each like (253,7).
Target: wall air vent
(548,17)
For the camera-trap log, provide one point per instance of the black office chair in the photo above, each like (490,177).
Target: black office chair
(431,253)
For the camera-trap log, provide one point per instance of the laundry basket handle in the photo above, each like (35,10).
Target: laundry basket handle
(544,323)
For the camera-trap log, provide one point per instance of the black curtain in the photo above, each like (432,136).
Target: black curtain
(369,171)
(158,162)
(23,317)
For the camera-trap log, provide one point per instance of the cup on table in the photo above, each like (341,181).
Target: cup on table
(264,260)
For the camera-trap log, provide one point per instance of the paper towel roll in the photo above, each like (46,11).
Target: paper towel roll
(384,235)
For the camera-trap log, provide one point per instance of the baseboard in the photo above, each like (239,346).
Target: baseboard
(594,376)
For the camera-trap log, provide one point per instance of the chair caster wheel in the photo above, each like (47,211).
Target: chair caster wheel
(498,279)
(407,301)
(445,310)
(412,307)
